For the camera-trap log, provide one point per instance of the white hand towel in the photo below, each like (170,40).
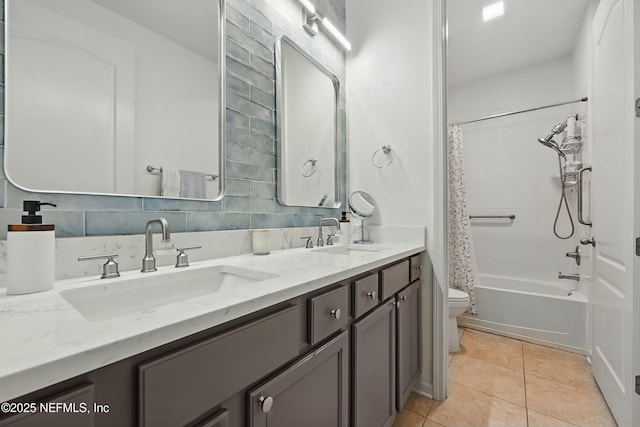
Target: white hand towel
(192,184)
(170,182)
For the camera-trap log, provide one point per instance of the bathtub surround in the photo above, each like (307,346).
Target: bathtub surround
(250,202)
(463,272)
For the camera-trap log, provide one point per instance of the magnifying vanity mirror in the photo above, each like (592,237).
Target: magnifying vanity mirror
(307,96)
(115,97)
(362,205)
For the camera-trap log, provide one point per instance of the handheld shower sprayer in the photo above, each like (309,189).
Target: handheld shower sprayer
(548,141)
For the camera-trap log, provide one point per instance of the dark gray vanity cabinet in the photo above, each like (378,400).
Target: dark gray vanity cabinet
(70,408)
(374,367)
(408,332)
(179,387)
(313,392)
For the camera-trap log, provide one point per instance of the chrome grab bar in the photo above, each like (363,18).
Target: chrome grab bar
(580,189)
(511,217)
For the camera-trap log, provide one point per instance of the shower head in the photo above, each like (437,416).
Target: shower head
(559,128)
(548,141)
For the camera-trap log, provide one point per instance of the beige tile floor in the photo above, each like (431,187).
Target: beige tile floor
(498,381)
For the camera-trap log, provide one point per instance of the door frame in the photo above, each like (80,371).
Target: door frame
(440,263)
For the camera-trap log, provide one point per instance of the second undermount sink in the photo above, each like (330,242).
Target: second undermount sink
(358,250)
(143,292)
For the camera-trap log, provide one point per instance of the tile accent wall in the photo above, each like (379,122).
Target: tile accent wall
(252,27)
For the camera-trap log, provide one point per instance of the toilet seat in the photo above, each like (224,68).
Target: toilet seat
(457,296)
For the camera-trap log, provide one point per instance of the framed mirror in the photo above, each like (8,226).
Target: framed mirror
(307,124)
(120,97)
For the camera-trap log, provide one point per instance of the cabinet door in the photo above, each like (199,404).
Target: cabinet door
(408,307)
(314,392)
(374,367)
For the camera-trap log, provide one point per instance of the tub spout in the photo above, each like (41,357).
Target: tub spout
(572,276)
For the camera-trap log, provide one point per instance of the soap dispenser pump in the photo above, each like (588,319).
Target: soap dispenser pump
(30,252)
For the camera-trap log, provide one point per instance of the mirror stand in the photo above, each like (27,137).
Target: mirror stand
(362,240)
(363,206)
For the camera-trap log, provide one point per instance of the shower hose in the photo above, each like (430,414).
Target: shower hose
(563,199)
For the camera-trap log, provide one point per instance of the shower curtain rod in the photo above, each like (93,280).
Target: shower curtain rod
(510,113)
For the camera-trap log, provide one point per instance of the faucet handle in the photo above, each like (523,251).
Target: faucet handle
(109,268)
(182,260)
(309,243)
(330,239)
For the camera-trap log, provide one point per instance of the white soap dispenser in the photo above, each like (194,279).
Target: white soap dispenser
(345,229)
(31,254)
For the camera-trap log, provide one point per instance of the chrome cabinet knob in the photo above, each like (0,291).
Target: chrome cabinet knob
(403,298)
(336,313)
(265,403)
(371,295)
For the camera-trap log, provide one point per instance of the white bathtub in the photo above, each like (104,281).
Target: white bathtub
(534,311)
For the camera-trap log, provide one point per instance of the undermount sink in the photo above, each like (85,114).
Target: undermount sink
(124,296)
(358,250)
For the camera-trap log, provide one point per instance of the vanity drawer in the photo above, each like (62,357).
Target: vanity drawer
(365,294)
(328,313)
(416,267)
(181,386)
(393,278)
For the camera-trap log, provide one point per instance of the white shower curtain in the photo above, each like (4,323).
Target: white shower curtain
(463,272)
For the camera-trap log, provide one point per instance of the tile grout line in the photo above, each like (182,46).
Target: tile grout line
(524,378)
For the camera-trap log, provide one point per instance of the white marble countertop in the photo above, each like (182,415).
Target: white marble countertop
(45,340)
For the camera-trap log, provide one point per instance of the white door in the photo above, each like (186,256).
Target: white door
(614,202)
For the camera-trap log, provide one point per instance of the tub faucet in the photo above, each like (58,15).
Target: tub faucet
(149,261)
(571,276)
(320,240)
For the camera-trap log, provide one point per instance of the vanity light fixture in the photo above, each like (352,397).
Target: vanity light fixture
(311,19)
(493,11)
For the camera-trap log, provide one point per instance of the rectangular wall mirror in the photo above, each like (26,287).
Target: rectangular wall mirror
(118,97)
(307,129)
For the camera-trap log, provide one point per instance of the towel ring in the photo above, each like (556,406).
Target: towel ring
(314,167)
(386,149)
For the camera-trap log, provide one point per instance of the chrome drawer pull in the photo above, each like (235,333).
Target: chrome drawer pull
(265,403)
(371,295)
(336,313)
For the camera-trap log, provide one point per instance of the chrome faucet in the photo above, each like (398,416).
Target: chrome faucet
(571,276)
(575,255)
(149,261)
(320,240)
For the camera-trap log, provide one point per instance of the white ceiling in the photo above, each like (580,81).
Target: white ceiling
(193,26)
(530,32)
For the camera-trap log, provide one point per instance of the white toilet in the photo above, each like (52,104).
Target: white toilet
(458,304)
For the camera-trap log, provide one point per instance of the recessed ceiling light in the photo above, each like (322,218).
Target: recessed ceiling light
(493,11)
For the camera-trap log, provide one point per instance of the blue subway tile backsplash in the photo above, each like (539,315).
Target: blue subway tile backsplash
(252,27)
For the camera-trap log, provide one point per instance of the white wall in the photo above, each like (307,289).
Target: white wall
(543,84)
(390,101)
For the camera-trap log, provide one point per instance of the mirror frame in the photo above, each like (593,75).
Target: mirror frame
(221,117)
(280,106)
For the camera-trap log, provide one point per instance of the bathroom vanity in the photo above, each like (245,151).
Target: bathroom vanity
(330,338)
